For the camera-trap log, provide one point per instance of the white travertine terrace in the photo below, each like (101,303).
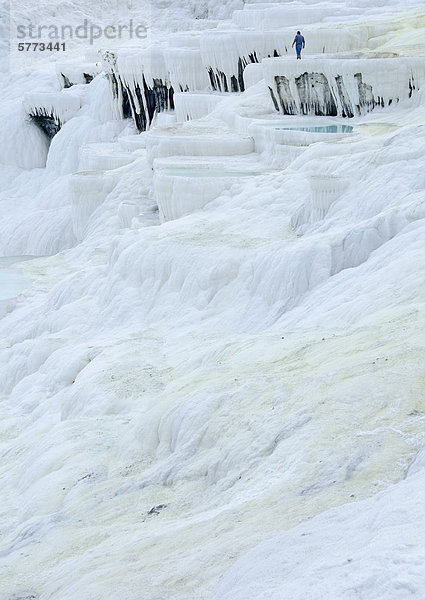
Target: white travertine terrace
(191,139)
(191,105)
(213,387)
(100,156)
(182,186)
(332,86)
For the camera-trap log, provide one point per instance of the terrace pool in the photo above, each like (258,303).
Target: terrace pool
(12,281)
(321,129)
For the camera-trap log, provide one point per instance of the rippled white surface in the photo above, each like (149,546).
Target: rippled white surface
(251,374)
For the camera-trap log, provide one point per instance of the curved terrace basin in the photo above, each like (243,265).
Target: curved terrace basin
(207,173)
(131,143)
(280,141)
(182,188)
(103,156)
(196,139)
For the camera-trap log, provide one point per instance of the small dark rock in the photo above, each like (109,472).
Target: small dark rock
(155,510)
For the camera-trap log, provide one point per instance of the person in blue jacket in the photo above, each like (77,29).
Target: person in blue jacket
(299,43)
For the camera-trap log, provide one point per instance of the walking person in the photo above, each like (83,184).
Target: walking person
(299,43)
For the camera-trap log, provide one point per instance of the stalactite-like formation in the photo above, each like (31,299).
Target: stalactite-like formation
(341,87)
(50,124)
(142,102)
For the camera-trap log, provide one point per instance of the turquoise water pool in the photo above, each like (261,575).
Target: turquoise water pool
(12,281)
(321,129)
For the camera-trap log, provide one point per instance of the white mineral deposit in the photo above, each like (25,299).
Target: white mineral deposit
(212,301)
